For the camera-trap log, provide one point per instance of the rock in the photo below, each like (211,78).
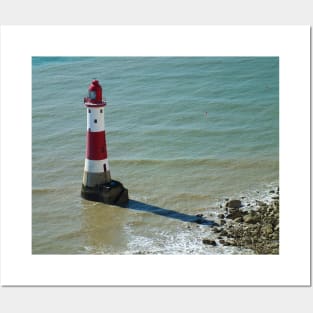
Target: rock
(238,219)
(216,229)
(233,210)
(221,216)
(230,243)
(276,204)
(274,236)
(275,197)
(261,203)
(222,241)
(227,243)
(235,214)
(250,219)
(224,233)
(267,229)
(222,222)
(207,241)
(233,204)
(272,191)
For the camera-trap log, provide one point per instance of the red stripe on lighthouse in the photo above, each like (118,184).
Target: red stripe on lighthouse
(96,148)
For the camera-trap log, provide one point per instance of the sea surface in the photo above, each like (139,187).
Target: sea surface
(183,134)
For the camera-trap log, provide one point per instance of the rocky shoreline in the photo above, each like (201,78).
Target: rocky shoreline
(249,225)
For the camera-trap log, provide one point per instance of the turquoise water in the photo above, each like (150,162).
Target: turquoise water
(182,134)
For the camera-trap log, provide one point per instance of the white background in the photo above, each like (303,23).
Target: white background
(291,44)
(290,268)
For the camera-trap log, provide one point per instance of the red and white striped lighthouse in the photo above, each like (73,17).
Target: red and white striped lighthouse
(97,183)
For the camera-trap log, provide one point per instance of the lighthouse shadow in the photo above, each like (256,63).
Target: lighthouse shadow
(144,207)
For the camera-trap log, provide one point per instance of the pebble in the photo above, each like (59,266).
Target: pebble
(233,210)
(224,233)
(235,215)
(267,229)
(238,219)
(250,219)
(217,229)
(235,204)
(261,203)
(207,241)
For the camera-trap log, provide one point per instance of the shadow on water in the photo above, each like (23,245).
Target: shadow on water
(144,207)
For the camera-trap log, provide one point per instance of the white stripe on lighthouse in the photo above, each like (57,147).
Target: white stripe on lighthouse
(96,166)
(95,119)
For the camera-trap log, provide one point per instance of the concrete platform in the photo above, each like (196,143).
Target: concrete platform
(111,193)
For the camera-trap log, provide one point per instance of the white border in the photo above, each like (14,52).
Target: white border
(290,43)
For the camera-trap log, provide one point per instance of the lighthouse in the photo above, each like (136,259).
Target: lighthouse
(97,183)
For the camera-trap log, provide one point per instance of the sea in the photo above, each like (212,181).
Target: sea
(184,134)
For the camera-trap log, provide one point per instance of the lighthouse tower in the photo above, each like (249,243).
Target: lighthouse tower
(97,183)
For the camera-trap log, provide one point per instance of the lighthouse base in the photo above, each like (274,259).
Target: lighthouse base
(111,193)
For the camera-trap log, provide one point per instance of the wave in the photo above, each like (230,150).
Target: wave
(192,130)
(196,162)
(43,190)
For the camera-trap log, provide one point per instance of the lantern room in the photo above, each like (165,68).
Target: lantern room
(94,94)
